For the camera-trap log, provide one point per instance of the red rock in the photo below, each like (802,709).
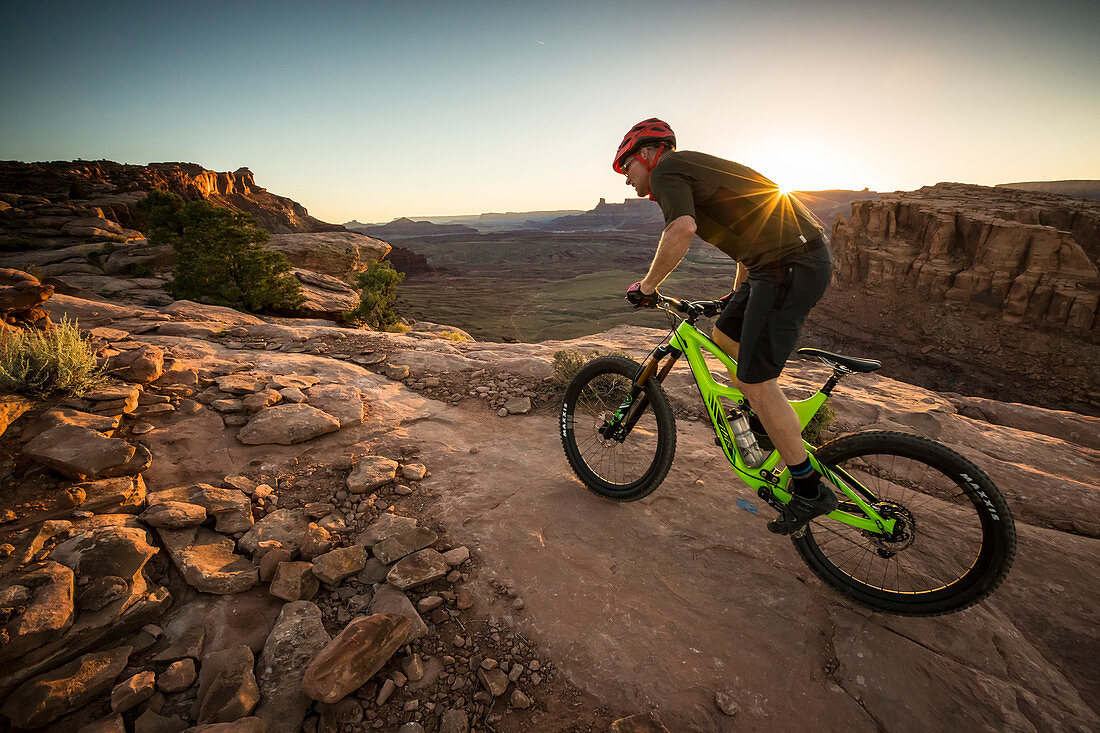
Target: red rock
(46,698)
(354,656)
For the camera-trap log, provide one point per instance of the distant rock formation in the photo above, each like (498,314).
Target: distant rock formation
(112,186)
(409,262)
(1081,189)
(405,227)
(640,215)
(1029,255)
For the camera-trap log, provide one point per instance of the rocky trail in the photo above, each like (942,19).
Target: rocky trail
(280,524)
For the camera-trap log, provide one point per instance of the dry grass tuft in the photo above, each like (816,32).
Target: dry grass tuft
(42,363)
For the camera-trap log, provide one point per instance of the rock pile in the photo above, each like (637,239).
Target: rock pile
(21,298)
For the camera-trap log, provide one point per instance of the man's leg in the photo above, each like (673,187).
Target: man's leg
(775,411)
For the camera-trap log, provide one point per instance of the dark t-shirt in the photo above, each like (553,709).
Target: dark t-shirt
(735,208)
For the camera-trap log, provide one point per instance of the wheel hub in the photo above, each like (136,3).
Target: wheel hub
(904,529)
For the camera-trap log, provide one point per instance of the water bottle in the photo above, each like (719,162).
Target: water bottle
(746,440)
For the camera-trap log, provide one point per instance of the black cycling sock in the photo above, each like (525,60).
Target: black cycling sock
(804,479)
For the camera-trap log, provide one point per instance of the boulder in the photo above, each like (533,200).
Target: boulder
(30,542)
(297,637)
(371,473)
(354,656)
(391,601)
(11,408)
(46,598)
(142,365)
(44,699)
(397,546)
(133,691)
(178,676)
(174,515)
(418,569)
(285,528)
(111,724)
(102,591)
(332,567)
(386,525)
(207,560)
(342,402)
(287,425)
(122,397)
(325,296)
(244,725)
(119,495)
(150,722)
(261,400)
(294,581)
(493,680)
(241,384)
(231,508)
(110,549)
(106,424)
(340,254)
(78,452)
(227,686)
(316,541)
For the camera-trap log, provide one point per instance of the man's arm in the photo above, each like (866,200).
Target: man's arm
(674,244)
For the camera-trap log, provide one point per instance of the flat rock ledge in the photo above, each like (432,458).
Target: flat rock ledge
(287,425)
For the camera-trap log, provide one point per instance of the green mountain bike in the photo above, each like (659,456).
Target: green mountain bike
(920,530)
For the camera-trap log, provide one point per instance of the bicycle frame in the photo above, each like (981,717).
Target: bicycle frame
(764,479)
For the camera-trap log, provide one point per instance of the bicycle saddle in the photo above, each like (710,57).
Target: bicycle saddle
(850,363)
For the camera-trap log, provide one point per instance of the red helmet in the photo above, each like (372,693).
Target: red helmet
(652,130)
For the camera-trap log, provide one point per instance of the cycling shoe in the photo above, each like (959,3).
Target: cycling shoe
(797,513)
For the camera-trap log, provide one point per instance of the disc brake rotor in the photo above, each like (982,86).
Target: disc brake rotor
(904,533)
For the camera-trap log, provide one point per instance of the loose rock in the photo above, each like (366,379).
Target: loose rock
(354,656)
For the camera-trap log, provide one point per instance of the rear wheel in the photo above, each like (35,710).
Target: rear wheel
(617,464)
(954,538)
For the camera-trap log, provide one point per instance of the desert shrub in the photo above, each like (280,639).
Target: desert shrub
(139,269)
(220,257)
(812,432)
(569,361)
(452,335)
(42,363)
(377,292)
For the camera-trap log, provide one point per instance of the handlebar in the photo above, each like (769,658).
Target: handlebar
(694,309)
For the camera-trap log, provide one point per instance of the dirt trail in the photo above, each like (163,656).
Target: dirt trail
(662,603)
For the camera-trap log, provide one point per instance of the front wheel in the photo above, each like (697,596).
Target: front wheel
(619,438)
(954,539)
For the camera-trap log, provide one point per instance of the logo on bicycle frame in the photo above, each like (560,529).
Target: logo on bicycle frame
(716,415)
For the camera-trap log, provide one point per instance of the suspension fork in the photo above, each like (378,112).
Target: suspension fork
(636,404)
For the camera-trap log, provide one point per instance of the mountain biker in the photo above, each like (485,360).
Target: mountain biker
(783,269)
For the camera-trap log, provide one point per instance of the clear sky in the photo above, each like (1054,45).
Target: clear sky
(373,110)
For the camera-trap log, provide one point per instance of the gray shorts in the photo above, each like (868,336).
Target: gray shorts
(766,313)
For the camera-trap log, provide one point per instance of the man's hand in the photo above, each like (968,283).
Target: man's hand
(639,299)
(725,300)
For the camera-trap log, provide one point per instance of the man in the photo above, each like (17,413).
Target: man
(783,268)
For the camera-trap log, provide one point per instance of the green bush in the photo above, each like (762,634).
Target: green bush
(220,257)
(377,292)
(42,363)
(138,269)
(568,362)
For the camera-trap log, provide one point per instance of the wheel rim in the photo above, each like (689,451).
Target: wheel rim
(616,463)
(939,538)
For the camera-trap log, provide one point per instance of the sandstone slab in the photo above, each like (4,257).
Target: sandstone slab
(386,525)
(142,365)
(285,528)
(46,600)
(179,675)
(78,452)
(393,602)
(294,581)
(297,637)
(397,546)
(227,686)
(332,567)
(342,402)
(44,699)
(354,656)
(371,473)
(231,508)
(287,425)
(11,408)
(173,515)
(207,560)
(418,569)
(133,691)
